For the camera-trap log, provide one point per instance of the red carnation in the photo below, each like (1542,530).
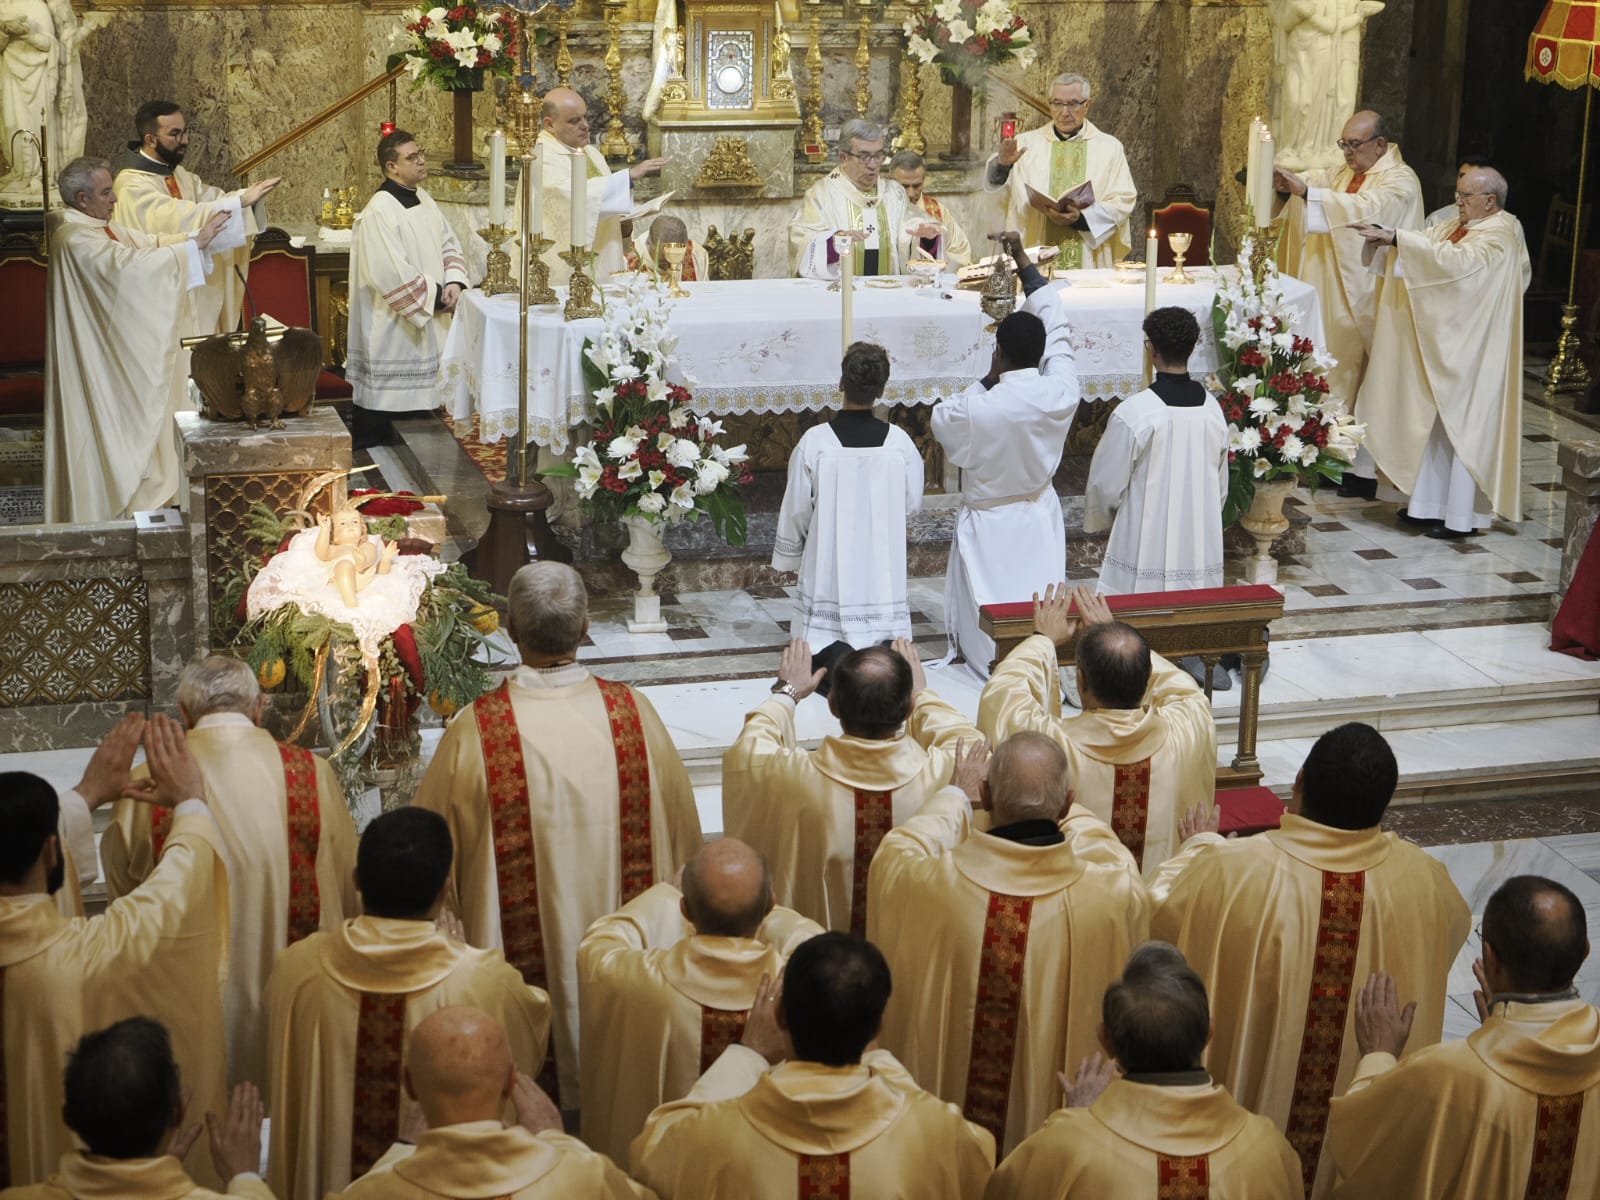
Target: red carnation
(1251,357)
(405,648)
(980,43)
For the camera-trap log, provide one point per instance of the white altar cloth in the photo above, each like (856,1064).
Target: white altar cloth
(772,345)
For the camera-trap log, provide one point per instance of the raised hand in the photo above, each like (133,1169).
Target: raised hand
(1382,1026)
(1199,819)
(971,771)
(174,774)
(106,776)
(649,166)
(795,669)
(208,232)
(536,1112)
(1052,614)
(236,1135)
(1094,1076)
(762,1033)
(907,650)
(1009,152)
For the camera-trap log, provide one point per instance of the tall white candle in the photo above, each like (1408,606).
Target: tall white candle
(497,178)
(1253,154)
(1152,250)
(535,185)
(578,213)
(847,291)
(1264,175)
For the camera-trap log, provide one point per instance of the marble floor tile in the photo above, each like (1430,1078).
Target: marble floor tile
(1582,850)
(1378,665)
(1512,654)
(1471,587)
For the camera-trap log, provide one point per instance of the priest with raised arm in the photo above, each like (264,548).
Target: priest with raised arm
(608,194)
(1002,941)
(855,206)
(1007,433)
(1442,397)
(159,196)
(1056,158)
(666,982)
(114,382)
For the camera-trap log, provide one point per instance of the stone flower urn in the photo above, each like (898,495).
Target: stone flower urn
(1265,522)
(646,556)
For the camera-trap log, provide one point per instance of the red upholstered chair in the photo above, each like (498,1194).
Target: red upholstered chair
(22,334)
(280,286)
(1181,211)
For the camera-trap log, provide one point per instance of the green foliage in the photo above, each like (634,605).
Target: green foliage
(392,528)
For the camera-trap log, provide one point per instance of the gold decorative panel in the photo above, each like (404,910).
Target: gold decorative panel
(229,499)
(68,641)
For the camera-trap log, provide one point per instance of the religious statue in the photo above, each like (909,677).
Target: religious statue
(41,81)
(1316,71)
(342,541)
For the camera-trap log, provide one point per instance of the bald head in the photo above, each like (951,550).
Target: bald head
(1113,665)
(458,1067)
(727,889)
(1028,780)
(871,693)
(566,115)
(1538,935)
(1488,181)
(1364,140)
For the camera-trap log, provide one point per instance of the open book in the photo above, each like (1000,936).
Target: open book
(650,207)
(1080,197)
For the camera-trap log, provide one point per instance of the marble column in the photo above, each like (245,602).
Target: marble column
(1580,476)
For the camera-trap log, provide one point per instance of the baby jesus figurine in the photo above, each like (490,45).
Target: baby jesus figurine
(342,541)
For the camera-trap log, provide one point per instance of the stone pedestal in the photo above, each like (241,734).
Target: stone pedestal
(1580,476)
(230,469)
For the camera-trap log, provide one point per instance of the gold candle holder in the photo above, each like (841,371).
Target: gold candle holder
(498,281)
(911,137)
(864,62)
(1180,243)
(811,128)
(539,289)
(615,142)
(563,54)
(673,252)
(582,299)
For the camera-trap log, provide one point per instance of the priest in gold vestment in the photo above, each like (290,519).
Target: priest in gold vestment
(801,1106)
(340,1007)
(1143,750)
(459,1070)
(1513,1110)
(124,1101)
(288,839)
(1442,397)
(158,952)
(818,815)
(955,910)
(159,195)
(665,983)
(856,206)
(1148,1120)
(567,827)
(1284,927)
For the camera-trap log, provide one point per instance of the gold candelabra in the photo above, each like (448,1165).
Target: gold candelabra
(811,129)
(563,54)
(673,252)
(864,62)
(910,119)
(615,142)
(582,300)
(498,281)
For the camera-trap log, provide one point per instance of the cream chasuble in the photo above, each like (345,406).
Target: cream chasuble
(1341,904)
(1185,1141)
(1448,347)
(1138,769)
(818,816)
(953,248)
(114,375)
(1001,954)
(160,952)
(1054,165)
(159,200)
(340,1007)
(86,1177)
(800,1129)
(659,1003)
(488,1159)
(289,874)
(832,204)
(1514,1110)
(556,843)
(1319,247)
(609,198)
(404,252)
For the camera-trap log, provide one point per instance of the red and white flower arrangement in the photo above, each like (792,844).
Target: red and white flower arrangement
(453,47)
(967,37)
(1273,387)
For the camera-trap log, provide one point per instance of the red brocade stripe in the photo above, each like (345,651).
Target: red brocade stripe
(1130,806)
(305,831)
(375,1109)
(719,1029)
(1183,1178)
(874,819)
(997,1011)
(633,787)
(1555,1145)
(824,1177)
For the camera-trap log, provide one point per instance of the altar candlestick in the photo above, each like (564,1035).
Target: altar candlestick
(535,187)
(1152,250)
(497,178)
(578,213)
(1253,152)
(847,291)
(1263,199)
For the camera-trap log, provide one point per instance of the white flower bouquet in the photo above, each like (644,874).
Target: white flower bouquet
(454,47)
(967,37)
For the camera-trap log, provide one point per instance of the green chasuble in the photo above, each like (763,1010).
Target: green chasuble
(885,246)
(1069,166)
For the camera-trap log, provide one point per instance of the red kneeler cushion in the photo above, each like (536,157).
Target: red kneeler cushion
(1249,810)
(1255,593)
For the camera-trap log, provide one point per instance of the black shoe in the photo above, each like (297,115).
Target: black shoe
(1355,487)
(1444,533)
(1405,518)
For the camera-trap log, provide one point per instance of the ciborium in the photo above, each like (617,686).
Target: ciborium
(1180,243)
(673,252)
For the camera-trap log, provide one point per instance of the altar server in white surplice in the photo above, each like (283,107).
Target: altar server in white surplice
(854,202)
(1057,157)
(1160,474)
(852,481)
(406,274)
(112,381)
(1007,432)
(608,194)
(160,196)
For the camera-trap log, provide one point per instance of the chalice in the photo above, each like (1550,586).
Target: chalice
(1180,243)
(673,252)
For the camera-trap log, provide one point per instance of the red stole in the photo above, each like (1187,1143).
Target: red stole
(874,818)
(1183,1178)
(173,189)
(719,1029)
(824,1177)
(1460,232)
(1355,183)
(1555,1144)
(1130,806)
(375,1105)
(995,1014)
(111,235)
